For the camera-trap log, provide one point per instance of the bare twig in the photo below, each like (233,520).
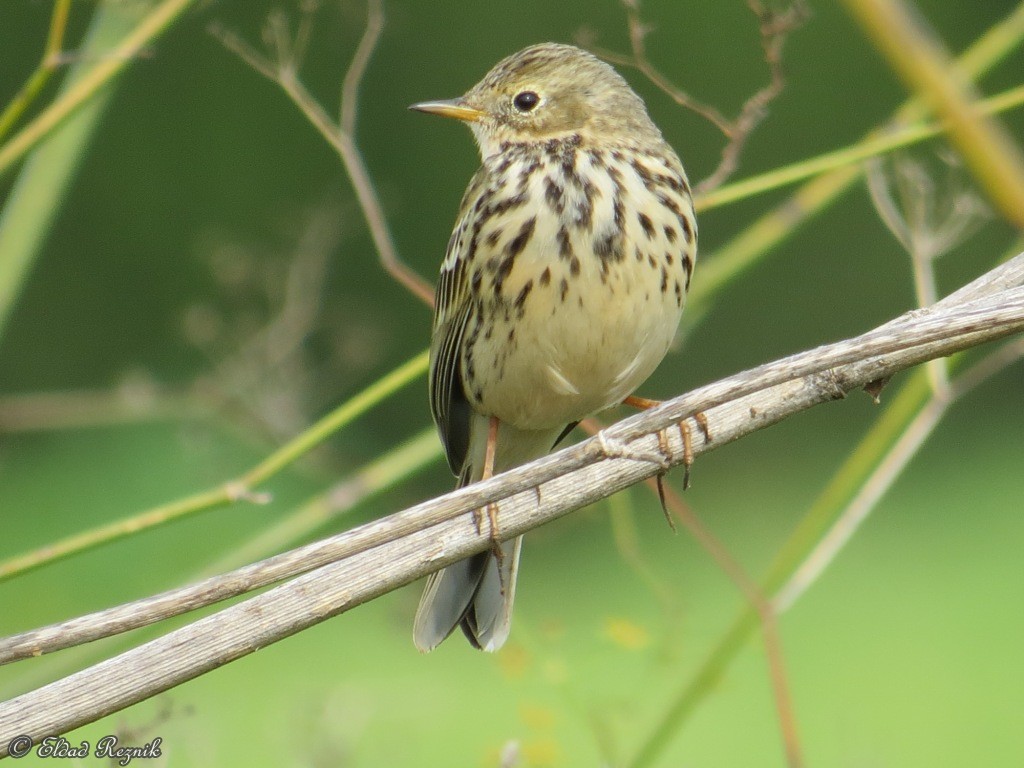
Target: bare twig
(282,69)
(774,27)
(357,69)
(845,159)
(638,31)
(380,556)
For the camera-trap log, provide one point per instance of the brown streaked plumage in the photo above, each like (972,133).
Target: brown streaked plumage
(560,292)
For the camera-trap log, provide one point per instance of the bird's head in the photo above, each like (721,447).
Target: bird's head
(548,91)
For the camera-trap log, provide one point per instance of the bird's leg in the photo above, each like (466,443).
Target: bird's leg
(488,472)
(640,403)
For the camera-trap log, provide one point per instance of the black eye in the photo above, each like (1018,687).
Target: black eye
(526,101)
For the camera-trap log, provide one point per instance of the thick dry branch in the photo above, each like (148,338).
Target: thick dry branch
(378,557)
(286,565)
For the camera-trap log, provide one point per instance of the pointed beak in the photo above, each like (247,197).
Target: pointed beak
(450,108)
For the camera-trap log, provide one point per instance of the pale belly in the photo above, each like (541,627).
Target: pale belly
(581,344)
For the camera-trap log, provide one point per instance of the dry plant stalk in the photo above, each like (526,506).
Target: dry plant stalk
(378,557)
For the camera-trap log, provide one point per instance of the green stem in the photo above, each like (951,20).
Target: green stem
(872,146)
(111,63)
(920,59)
(820,192)
(41,76)
(37,194)
(384,472)
(336,420)
(66,126)
(229,492)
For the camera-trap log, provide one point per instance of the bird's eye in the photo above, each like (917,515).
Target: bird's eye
(526,101)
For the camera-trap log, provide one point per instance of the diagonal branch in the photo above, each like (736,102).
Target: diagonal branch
(920,59)
(911,337)
(774,27)
(282,69)
(357,69)
(375,558)
(153,24)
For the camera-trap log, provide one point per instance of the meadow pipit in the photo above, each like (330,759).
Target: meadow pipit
(560,291)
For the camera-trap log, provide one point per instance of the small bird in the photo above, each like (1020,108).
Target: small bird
(560,291)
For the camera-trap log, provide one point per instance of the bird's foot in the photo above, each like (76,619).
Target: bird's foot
(491,512)
(685,434)
(613,448)
(492,522)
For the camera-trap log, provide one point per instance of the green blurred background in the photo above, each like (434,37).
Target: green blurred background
(206,208)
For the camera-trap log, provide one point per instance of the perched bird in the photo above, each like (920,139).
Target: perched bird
(560,291)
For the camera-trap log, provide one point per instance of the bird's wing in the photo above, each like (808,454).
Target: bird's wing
(452,308)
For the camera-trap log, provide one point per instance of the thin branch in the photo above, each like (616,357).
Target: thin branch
(638,32)
(994,46)
(766,611)
(385,471)
(383,555)
(149,28)
(282,71)
(875,144)
(304,30)
(774,27)
(241,488)
(49,63)
(748,587)
(357,68)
